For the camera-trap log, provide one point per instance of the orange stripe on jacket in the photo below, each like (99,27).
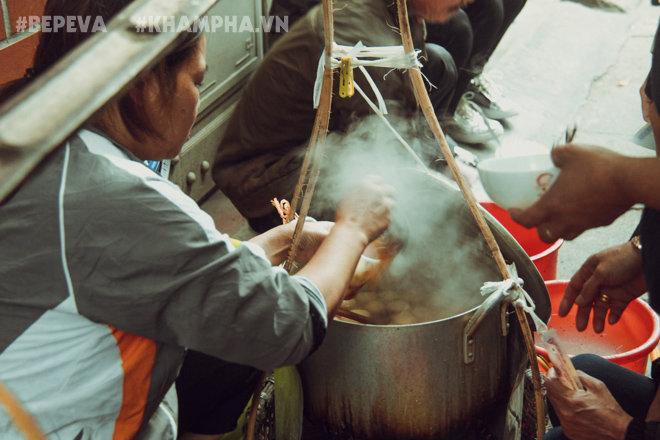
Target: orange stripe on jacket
(138,355)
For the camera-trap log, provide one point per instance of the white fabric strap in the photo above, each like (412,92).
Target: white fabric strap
(379,97)
(512,288)
(393,57)
(319,80)
(380,114)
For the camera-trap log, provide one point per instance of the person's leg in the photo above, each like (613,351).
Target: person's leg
(511,10)
(467,124)
(491,19)
(440,70)
(487,18)
(632,391)
(212,395)
(455,36)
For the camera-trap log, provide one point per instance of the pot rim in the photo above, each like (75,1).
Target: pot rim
(417,324)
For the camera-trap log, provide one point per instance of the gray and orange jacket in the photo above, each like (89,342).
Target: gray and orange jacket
(108,273)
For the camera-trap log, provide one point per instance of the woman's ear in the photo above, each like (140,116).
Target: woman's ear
(145,89)
(147,108)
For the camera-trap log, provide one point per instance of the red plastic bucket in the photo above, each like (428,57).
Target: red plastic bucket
(543,255)
(627,343)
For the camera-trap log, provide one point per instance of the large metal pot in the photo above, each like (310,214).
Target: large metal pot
(426,380)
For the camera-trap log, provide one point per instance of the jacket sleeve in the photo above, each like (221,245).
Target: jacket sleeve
(147,260)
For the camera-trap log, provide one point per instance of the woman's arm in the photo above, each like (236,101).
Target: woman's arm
(330,253)
(153,264)
(362,217)
(332,267)
(639,179)
(276,242)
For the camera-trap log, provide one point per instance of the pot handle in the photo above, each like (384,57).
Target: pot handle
(496,300)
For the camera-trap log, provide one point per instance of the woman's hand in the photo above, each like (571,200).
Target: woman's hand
(616,272)
(367,208)
(312,237)
(362,217)
(277,241)
(585,195)
(589,414)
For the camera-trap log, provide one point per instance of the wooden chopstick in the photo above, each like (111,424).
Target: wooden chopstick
(344,313)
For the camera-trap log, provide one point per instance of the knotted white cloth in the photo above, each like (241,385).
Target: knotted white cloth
(512,290)
(393,57)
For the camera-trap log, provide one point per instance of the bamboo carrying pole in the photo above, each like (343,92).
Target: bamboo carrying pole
(309,173)
(23,421)
(424,101)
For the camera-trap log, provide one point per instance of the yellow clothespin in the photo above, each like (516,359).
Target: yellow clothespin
(346,87)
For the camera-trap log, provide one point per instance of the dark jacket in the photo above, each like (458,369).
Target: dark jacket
(262,150)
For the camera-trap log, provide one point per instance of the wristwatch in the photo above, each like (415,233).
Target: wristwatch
(636,241)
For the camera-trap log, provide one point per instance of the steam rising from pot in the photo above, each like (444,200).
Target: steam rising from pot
(443,258)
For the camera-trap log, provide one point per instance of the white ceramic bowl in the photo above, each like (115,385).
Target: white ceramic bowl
(517,182)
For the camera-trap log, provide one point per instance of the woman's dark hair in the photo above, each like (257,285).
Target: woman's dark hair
(55,45)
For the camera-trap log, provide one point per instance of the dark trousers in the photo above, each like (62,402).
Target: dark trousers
(471,37)
(440,69)
(212,393)
(490,20)
(632,391)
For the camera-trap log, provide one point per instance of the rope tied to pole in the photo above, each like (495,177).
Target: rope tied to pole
(512,291)
(361,56)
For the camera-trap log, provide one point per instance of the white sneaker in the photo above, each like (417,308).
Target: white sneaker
(470,126)
(491,99)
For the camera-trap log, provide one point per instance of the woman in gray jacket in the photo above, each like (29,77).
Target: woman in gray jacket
(109,273)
